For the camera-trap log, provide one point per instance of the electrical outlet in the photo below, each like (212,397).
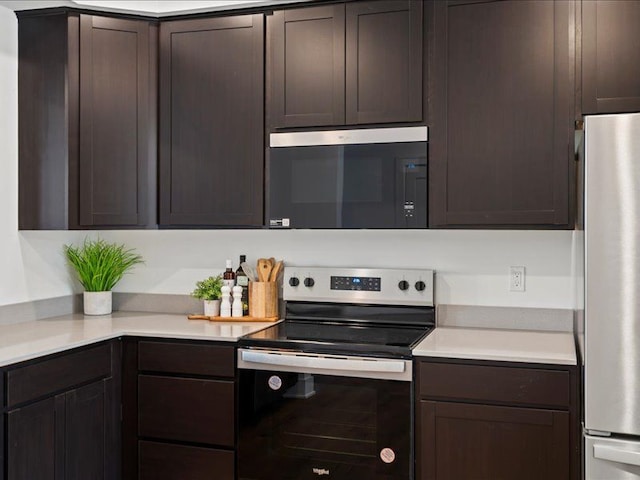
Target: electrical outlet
(516,279)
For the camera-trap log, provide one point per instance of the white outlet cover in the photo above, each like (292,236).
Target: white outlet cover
(516,279)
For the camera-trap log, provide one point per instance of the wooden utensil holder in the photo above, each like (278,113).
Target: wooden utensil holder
(263,299)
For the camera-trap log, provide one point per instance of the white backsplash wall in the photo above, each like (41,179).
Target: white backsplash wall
(472,266)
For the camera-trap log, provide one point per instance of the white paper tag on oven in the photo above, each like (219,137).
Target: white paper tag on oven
(275,382)
(387,455)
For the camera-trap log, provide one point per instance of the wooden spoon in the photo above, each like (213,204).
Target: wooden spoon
(264,270)
(276,271)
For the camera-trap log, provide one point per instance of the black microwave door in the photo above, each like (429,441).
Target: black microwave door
(353,186)
(304,187)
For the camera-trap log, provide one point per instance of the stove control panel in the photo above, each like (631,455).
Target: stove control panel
(369,284)
(359,285)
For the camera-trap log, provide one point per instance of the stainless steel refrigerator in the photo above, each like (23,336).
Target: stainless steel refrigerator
(612,297)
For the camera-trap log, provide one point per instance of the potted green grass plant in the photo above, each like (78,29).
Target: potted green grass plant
(210,291)
(99,265)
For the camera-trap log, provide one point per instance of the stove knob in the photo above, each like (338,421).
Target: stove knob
(309,282)
(420,286)
(403,285)
(294,281)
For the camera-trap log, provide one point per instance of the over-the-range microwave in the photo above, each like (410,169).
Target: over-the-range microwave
(365,178)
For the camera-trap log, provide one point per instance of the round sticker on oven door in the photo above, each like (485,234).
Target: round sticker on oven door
(275,382)
(387,455)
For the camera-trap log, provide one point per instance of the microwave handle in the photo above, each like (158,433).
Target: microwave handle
(322,362)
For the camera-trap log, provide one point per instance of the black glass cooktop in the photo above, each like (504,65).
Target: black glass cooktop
(368,330)
(338,338)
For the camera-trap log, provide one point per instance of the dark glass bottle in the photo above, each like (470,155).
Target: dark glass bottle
(229,277)
(243,281)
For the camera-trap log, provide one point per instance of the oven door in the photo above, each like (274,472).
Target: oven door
(353,185)
(307,421)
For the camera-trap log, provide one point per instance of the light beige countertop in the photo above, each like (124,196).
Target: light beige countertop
(501,345)
(24,341)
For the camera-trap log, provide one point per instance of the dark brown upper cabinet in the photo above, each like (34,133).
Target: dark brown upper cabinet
(502,98)
(610,56)
(307,66)
(384,61)
(117,148)
(87,131)
(358,63)
(211,121)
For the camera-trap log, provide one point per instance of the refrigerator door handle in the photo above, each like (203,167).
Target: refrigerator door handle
(613,454)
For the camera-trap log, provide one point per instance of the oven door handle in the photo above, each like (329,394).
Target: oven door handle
(325,363)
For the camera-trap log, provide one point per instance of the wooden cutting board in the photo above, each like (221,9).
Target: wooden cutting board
(246,318)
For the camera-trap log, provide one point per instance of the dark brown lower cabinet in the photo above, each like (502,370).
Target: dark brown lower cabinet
(464,441)
(181,409)
(70,436)
(163,461)
(178,410)
(32,439)
(496,421)
(71,433)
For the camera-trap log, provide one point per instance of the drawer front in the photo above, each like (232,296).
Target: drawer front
(523,386)
(186,409)
(164,461)
(57,374)
(213,360)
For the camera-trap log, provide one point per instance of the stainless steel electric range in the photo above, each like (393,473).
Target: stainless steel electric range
(326,393)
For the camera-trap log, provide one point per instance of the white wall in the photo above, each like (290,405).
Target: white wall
(471,266)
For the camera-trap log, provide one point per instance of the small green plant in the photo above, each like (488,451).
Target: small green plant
(100,265)
(208,289)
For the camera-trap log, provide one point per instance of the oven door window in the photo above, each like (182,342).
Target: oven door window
(296,426)
(351,186)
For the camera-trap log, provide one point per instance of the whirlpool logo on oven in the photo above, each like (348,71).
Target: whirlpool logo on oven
(320,471)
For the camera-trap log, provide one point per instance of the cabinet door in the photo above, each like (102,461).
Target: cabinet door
(184,410)
(211,121)
(610,56)
(384,61)
(166,461)
(91,438)
(307,66)
(116,165)
(501,140)
(482,442)
(34,438)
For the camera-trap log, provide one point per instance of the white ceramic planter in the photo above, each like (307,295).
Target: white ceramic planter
(97,303)
(212,308)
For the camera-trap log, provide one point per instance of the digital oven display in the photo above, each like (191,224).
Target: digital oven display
(367,284)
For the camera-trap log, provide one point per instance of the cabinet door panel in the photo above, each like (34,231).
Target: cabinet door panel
(610,56)
(33,441)
(2,430)
(501,140)
(211,121)
(114,121)
(487,442)
(57,374)
(307,66)
(164,461)
(187,358)
(384,61)
(512,385)
(188,410)
(91,440)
